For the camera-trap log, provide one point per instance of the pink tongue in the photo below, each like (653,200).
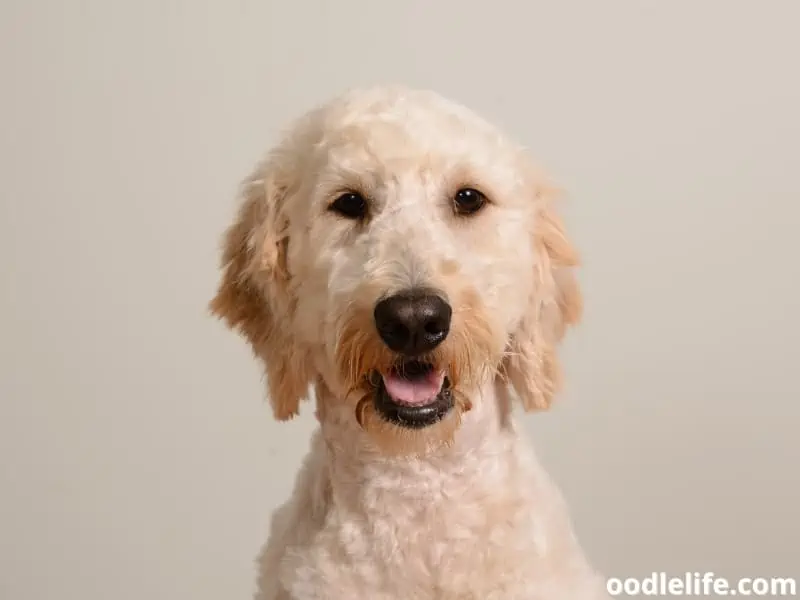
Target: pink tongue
(416,392)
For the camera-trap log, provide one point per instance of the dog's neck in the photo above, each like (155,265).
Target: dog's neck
(484,441)
(462,521)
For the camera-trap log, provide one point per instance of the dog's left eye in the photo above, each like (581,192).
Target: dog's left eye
(351,205)
(468,201)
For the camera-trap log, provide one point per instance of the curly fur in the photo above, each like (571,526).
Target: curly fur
(459,510)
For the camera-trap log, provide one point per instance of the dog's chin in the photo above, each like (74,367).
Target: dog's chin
(413,395)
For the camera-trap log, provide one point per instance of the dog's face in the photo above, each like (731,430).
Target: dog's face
(398,251)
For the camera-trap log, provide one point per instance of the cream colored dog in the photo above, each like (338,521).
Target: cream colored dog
(403,258)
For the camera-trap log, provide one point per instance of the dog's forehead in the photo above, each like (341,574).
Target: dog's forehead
(396,146)
(371,140)
(409,132)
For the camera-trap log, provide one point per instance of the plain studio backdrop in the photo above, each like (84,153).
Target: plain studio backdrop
(138,458)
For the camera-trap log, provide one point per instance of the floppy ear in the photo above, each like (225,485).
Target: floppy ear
(531,364)
(253,296)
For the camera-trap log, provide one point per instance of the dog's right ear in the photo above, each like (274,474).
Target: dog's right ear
(253,297)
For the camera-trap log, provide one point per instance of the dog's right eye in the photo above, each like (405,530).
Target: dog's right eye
(351,205)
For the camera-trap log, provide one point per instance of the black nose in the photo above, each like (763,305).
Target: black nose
(413,322)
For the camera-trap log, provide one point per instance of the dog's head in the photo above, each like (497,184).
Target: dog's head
(400,251)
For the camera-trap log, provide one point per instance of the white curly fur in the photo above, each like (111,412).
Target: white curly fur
(459,510)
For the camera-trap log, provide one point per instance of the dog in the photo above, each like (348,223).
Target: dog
(399,261)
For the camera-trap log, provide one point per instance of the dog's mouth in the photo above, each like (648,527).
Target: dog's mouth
(413,394)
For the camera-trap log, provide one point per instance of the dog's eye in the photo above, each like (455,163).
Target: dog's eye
(351,205)
(468,201)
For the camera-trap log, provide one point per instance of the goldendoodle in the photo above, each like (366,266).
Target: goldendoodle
(400,261)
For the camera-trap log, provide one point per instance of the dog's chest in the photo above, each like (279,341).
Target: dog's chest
(473,547)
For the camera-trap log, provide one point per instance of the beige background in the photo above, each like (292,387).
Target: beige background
(137,457)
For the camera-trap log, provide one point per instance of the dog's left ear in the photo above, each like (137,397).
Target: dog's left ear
(253,297)
(531,363)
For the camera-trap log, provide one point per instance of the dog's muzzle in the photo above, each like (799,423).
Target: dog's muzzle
(412,323)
